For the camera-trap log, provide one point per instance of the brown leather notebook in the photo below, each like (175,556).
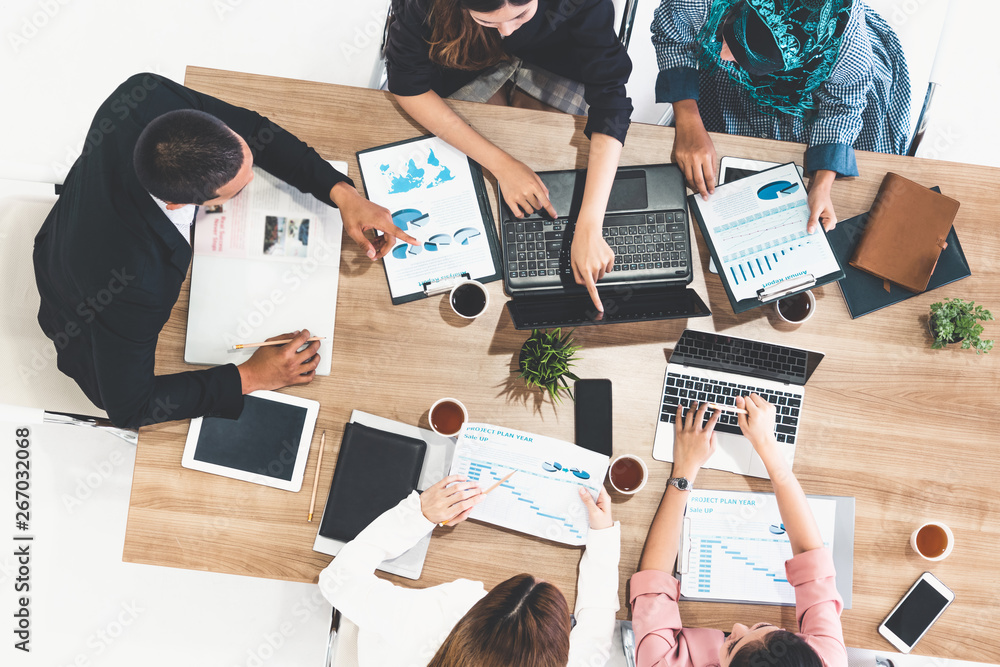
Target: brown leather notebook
(906,233)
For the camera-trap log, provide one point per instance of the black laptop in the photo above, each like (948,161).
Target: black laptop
(646,225)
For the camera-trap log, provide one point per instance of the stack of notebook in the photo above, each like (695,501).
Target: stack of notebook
(906,245)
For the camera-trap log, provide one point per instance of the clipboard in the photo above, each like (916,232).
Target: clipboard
(843,552)
(435,282)
(781,289)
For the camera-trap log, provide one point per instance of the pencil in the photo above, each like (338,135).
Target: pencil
(319,462)
(445,522)
(727,408)
(242,346)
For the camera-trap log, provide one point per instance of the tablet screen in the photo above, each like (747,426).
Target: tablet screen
(263,441)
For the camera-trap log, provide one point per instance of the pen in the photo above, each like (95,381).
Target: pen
(445,522)
(242,346)
(319,462)
(727,408)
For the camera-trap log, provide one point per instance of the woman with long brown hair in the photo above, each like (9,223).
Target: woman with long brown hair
(523,621)
(554,53)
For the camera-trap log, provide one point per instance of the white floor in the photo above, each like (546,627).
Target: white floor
(58,60)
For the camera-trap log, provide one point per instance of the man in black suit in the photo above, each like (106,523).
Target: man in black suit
(110,257)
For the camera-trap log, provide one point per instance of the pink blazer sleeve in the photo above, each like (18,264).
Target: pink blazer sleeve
(818,604)
(656,621)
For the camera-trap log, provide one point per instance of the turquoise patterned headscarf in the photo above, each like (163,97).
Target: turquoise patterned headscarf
(808,34)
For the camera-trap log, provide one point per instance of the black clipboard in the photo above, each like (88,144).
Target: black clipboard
(489,223)
(769,295)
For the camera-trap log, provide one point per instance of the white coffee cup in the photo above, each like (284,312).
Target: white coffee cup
(436,427)
(628,457)
(812,307)
(469,294)
(948,535)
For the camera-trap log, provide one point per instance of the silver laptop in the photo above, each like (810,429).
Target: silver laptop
(714,368)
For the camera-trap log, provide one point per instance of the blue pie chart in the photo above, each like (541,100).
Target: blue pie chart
(778,190)
(435,242)
(465,235)
(407,217)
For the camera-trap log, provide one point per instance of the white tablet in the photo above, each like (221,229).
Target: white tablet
(268,444)
(735,168)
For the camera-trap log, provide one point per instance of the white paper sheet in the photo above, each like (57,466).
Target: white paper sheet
(541,499)
(735,546)
(427,186)
(758,227)
(268,263)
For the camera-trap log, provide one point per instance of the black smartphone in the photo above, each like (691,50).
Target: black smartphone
(916,612)
(593,415)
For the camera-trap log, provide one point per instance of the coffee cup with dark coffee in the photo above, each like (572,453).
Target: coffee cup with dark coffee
(447,416)
(932,541)
(628,474)
(469,299)
(797,308)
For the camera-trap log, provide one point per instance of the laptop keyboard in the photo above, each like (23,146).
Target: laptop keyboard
(540,248)
(687,389)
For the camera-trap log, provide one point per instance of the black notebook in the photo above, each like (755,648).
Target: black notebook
(865,293)
(375,470)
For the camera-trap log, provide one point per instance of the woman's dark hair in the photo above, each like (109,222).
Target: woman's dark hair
(520,622)
(185,156)
(780,648)
(458,42)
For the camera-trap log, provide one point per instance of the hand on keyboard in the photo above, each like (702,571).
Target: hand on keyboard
(758,424)
(694,441)
(591,257)
(523,190)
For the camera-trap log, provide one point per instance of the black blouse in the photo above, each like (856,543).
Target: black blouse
(571,38)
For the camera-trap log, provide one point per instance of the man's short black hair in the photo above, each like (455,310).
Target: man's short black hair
(185,156)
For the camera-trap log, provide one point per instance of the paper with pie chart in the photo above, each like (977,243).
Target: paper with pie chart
(758,226)
(428,188)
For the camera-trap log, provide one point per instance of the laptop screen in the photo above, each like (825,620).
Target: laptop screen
(744,356)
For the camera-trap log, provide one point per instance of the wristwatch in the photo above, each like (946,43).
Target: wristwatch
(680,482)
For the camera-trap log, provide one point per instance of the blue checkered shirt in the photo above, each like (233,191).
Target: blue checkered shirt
(864,104)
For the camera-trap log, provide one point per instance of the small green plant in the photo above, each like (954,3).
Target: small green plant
(957,320)
(545,360)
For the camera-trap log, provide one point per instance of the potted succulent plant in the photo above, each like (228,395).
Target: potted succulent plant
(545,362)
(955,320)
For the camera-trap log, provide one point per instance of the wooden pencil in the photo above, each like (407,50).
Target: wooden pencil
(445,522)
(319,462)
(243,346)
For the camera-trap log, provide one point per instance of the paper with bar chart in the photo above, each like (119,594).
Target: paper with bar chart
(758,226)
(734,546)
(542,498)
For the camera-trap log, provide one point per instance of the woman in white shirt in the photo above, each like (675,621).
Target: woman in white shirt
(523,621)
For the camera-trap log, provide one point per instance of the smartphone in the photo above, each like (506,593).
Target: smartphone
(593,415)
(916,612)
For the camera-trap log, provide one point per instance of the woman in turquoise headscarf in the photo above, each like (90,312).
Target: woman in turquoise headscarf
(827,73)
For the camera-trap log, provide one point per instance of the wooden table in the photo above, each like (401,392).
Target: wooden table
(908,431)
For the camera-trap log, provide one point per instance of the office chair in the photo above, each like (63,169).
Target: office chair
(32,389)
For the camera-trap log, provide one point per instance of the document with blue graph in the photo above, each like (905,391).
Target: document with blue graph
(757,230)
(541,499)
(734,546)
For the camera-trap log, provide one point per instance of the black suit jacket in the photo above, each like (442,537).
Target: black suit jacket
(109,264)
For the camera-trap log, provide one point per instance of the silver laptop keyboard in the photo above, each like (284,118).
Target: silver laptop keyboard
(688,389)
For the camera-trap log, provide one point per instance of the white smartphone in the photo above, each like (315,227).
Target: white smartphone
(916,612)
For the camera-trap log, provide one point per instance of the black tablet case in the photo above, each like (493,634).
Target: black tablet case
(375,470)
(865,293)
(266,433)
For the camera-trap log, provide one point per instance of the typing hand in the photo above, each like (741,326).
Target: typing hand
(600,512)
(453,503)
(522,189)
(694,444)
(591,257)
(361,215)
(758,424)
(277,366)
